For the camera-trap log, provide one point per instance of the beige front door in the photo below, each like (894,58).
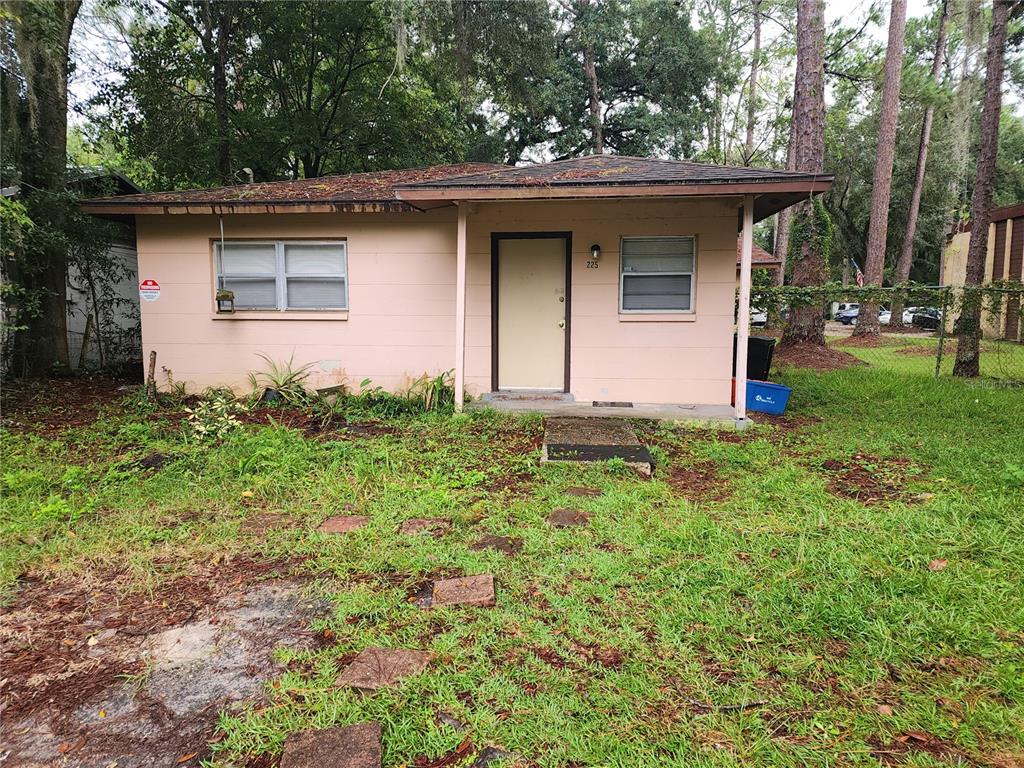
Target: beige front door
(531,313)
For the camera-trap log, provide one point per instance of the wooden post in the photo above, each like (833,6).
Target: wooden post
(151,377)
(743,313)
(460,308)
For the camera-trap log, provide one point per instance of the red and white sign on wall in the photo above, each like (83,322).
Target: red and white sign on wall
(149,290)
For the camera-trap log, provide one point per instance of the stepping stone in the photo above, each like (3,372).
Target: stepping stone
(420,524)
(377,668)
(343,524)
(593,440)
(349,746)
(568,518)
(583,491)
(504,544)
(489,756)
(467,590)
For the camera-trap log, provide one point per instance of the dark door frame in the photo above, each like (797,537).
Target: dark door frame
(496,238)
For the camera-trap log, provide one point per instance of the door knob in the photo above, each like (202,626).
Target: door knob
(561,323)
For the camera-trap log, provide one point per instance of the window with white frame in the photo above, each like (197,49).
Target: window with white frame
(656,274)
(280,275)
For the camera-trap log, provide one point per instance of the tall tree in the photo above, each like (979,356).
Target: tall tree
(784,217)
(214,23)
(755,63)
(810,220)
(881,188)
(907,250)
(968,347)
(42,34)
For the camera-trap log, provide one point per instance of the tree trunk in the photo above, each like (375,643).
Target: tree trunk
(907,251)
(596,124)
(968,359)
(881,188)
(785,217)
(220,95)
(807,323)
(42,34)
(962,111)
(755,63)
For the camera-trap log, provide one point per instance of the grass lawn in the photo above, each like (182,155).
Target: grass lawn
(842,587)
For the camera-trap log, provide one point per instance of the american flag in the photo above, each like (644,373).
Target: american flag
(860,275)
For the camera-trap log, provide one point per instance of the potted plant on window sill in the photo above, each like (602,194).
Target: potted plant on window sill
(225,302)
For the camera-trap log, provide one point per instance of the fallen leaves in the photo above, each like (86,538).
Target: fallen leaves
(937,565)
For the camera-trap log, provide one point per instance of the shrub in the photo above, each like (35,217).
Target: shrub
(214,417)
(287,383)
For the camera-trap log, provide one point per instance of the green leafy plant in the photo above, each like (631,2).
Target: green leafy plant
(435,393)
(284,379)
(214,417)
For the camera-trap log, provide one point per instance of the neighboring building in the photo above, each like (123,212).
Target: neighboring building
(607,278)
(1004,261)
(760,259)
(125,316)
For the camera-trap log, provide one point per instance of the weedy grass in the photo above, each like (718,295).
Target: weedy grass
(762,624)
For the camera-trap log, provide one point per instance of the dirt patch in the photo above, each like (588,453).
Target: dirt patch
(902,747)
(516,484)
(116,680)
(49,406)
(814,356)
(45,633)
(869,479)
(697,481)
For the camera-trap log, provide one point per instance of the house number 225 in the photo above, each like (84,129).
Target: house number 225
(592,264)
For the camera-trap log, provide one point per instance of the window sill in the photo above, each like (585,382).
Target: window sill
(657,317)
(279,315)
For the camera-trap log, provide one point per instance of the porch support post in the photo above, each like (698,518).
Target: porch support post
(460,308)
(743,314)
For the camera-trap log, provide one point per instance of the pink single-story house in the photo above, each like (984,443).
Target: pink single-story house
(605,278)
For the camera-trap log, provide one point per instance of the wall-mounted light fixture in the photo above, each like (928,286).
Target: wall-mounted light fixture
(225,301)
(595,252)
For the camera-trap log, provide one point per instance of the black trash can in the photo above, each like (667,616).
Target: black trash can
(759,356)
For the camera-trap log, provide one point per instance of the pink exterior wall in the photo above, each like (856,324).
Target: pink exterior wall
(401,323)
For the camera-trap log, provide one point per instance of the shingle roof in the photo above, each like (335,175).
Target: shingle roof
(373,187)
(759,255)
(611,170)
(406,190)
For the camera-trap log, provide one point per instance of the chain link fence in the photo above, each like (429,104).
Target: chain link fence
(919,327)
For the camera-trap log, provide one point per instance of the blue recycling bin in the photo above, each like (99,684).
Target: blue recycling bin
(765,397)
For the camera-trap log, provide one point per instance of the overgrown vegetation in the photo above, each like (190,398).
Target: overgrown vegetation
(838,587)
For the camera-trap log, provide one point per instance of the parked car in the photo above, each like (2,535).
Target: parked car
(758,317)
(848,315)
(928,318)
(885,316)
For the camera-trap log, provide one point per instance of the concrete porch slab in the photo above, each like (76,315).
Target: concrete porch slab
(707,414)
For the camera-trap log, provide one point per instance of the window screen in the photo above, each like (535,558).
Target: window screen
(657,274)
(282,275)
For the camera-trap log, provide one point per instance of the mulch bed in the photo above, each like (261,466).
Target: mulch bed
(330,426)
(869,479)
(44,632)
(49,406)
(866,341)
(814,356)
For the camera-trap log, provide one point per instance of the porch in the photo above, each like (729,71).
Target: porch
(567,407)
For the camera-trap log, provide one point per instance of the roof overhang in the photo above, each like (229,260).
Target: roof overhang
(219,208)
(770,196)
